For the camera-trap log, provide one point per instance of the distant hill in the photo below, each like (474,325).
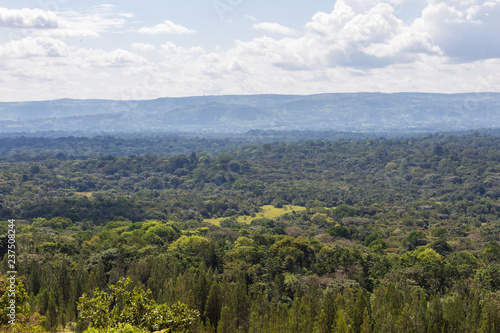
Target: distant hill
(360,112)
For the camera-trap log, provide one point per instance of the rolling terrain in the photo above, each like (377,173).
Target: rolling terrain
(358,112)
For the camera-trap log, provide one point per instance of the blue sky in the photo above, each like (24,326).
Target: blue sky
(127,49)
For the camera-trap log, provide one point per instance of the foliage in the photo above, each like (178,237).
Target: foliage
(378,235)
(23,321)
(121,328)
(134,307)
(8,295)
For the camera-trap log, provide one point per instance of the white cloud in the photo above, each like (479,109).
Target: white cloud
(28,18)
(466,30)
(167,27)
(407,42)
(274,28)
(104,6)
(143,46)
(33,47)
(362,37)
(93,23)
(29,65)
(127,15)
(108,59)
(324,23)
(67,24)
(45,48)
(170,49)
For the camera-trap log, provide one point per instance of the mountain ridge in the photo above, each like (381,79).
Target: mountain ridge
(239,113)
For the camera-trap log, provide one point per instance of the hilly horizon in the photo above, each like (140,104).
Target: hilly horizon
(355,112)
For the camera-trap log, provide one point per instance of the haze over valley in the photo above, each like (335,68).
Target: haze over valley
(353,112)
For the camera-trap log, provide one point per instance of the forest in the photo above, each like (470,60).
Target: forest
(368,234)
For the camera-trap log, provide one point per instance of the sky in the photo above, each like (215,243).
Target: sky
(135,50)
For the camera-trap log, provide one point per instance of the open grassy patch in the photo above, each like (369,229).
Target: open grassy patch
(84,194)
(267,211)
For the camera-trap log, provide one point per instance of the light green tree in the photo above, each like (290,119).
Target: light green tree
(23,322)
(122,305)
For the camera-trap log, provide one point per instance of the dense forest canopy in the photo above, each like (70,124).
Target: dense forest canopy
(392,234)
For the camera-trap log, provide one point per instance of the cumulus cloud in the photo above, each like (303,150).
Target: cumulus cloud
(364,34)
(28,18)
(33,47)
(466,30)
(167,27)
(406,42)
(274,28)
(367,32)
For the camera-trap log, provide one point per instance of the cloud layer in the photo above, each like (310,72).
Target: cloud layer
(361,45)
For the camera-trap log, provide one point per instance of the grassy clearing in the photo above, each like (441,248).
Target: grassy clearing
(85,194)
(267,211)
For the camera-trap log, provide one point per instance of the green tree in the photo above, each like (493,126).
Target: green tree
(192,249)
(294,253)
(414,239)
(214,304)
(122,305)
(97,277)
(342,326)
(14,300)
(439,231)
(491,252)
(339,231)
(227,323)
